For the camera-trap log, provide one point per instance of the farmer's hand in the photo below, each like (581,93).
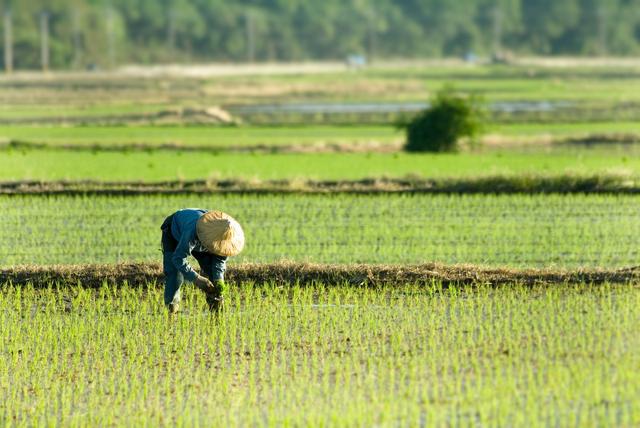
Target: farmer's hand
(204,284)
(215,300)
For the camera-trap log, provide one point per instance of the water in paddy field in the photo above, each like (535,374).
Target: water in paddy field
(392,107)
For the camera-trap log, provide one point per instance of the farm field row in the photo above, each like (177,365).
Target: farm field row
(320,356)
(39,164)
(511,231)
(194,136)
(290,273)
(245,136)
(374,84)
(570,95)
(493,83)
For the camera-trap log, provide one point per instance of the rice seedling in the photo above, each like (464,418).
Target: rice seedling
(517,231)
(323,355)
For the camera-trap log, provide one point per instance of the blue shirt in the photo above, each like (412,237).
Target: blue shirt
(183,229)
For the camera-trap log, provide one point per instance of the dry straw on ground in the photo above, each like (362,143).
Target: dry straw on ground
(524,184)
(488,142)
(285,273)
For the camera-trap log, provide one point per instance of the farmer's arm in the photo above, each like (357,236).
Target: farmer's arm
(218,266)
(179,259)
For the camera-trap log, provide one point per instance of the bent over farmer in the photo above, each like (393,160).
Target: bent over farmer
(210,237)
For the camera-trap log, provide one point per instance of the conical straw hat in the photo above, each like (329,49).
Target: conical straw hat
(220,233)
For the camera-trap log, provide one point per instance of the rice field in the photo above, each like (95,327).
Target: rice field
(169,165)
(510,347)
(200,136)
(508,230)
(322,356)
(87,94)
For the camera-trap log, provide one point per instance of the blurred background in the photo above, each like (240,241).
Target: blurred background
(81,34)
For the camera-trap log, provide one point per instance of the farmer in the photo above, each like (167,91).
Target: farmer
(210,237)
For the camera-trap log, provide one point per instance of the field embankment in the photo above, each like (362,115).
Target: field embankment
(499,184)
(142,274)
(299,141)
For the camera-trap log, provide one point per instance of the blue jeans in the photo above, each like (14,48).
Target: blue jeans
(212,266)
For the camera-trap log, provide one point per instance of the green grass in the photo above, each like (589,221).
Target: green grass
(199,135)
(163,165)
(316,356)
(517,231)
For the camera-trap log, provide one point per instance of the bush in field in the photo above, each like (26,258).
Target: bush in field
(440,127)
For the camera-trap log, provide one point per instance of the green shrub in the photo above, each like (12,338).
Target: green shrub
(440,127)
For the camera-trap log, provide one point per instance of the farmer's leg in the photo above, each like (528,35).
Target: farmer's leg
(173,279)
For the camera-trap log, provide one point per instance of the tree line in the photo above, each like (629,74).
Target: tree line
(103,33)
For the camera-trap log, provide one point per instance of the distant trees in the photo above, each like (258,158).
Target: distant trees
(107,32)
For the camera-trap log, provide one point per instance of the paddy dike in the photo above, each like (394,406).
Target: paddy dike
(285,273)
(517,184)
(487,143)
